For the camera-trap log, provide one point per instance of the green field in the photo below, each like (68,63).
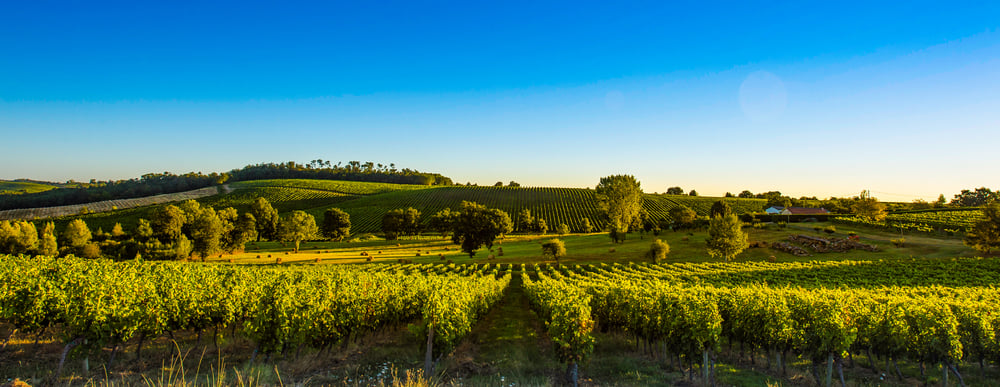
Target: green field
(22,187)
(368,202)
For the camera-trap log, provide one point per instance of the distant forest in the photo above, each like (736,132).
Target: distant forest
(162,183)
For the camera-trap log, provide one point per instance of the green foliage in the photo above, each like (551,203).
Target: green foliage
(19,237)
(869,208)
(76,234)
(563,229)
(720,207)
(726,238)
(540,226)
(554,249)
(168,223)
(297,227)
(975,198)
(621,199)
(476,226)
(443,221)
(585,226)
(401,222)
(683,216)
(47,244)
(658,251)
(336,224)
(525,222)
(266,218)
(675,191)
(985,235)
(205,230)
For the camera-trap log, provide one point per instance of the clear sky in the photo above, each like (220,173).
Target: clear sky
(809,98)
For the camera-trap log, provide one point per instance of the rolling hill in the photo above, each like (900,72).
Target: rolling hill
(368,202)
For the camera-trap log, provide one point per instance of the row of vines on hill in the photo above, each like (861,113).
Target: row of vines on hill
(945,221)
(100,304)
(690,313)
(555,205)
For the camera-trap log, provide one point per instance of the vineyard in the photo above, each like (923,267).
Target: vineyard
(555,205)
(951,222)
(101,304)
(342,187)
(828,313)
(105,206)
(814,318)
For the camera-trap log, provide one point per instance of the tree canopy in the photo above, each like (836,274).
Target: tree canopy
(985,235)
(336,224)
(621,199)
(476,226)
(726,238)
(297,227)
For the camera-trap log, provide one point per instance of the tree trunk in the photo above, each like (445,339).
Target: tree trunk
(871,360)
(114,351)
(138,349)
(899,374)
(572,373)
(704,366)
(954,369)
(944,376)
(66,349)
(428,356)
(7,340)
(829,369)
(840,371)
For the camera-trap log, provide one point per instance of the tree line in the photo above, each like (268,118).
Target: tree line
(162,183)
(174,232)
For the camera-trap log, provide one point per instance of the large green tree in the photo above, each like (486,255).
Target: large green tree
(726,238)
(19,237)
(400,222)
(621,199)
(554,248)
(47,244)
(266,219)
(76,234)
(985,235)
(297,227)
(720,207)
(476,226)
(979,197)
(683,216)
(525,222)
(206,231)
(237,229)
(868,207)
(168,223)
(443,222)
(336,224)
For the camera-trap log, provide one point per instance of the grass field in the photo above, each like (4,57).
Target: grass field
(596,247)
(22,187)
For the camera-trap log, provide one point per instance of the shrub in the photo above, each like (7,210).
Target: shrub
(831,229)
(658,250)
(898,242)
(554,248)
(817,228)
(563,229)
(851,233)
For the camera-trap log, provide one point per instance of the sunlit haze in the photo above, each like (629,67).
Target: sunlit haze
(823,99)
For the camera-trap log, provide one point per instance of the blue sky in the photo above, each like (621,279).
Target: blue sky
(806,98)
